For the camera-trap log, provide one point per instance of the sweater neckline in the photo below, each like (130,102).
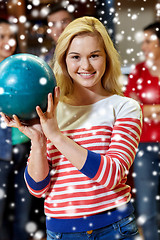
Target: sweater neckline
(89,105)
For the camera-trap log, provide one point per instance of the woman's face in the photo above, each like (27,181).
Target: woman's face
(7,41)
(151,46)
(86,60)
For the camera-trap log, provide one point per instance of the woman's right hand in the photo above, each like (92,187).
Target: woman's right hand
(31,128)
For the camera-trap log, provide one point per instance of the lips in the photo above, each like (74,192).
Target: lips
(86,75)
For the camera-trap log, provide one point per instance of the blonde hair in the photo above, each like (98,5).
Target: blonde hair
(77,27)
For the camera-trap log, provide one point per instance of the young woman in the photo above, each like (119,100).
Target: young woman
(86,141)
(144,86)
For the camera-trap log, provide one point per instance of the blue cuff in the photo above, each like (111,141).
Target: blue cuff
(92,164)
(36,185)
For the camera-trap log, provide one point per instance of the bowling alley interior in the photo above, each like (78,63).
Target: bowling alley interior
(30,17)
(124,20)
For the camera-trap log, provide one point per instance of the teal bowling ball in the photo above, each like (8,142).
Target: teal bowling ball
(25,81)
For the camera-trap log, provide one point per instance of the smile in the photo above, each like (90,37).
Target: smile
(86,74)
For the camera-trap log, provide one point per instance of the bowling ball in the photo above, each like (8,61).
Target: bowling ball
(25,81)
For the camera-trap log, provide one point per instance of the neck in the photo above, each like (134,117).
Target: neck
(86,96)
(157,62)
(156,71)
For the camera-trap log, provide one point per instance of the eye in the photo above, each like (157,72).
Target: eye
(76,57)
(1,36)
(94,56)
(51,24)
(65,21)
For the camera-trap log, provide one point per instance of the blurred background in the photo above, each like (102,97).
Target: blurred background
(124,20)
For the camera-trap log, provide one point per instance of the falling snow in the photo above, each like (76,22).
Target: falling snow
(131,54)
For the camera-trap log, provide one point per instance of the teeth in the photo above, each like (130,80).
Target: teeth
(86,74)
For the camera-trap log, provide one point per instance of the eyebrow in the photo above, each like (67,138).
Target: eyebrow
(96,51)
(63,19)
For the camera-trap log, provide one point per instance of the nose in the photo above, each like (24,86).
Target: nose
(85,64)
(144,46)
(5,40)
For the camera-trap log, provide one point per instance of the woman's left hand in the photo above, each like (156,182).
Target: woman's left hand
(48,119)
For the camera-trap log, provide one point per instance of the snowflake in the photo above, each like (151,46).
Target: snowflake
(117,137)
(141,220)
(31,227)
(2,193)
(43,81)
(140,153)
(39,235)
(71,8)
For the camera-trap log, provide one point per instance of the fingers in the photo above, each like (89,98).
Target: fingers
(39,112)
(56,96)
(53,104)
(57,93)
(50,103)
(14,122)
(5,118)
(18,123)
(9,121)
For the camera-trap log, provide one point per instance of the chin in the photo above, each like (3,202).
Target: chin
(8,54)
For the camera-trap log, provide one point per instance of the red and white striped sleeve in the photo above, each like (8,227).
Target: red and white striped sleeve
(111,169)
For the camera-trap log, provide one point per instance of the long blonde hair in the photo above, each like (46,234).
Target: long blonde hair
(77,27)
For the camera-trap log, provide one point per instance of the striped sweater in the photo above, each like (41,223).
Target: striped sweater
(110,130)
